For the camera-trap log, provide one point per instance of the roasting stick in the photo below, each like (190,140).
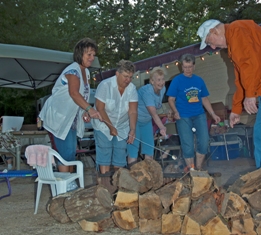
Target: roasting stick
(172,156)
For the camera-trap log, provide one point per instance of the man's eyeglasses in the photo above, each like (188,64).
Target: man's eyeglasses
(188,67)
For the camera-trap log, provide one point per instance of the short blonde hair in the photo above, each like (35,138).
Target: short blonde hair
(157,70)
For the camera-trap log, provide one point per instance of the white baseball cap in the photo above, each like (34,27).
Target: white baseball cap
(203,31)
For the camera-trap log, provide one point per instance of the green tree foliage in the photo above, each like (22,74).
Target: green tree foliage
(20,102)
(127,29)
(124,29)
(192,14)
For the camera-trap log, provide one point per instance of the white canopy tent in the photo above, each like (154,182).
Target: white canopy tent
(31,67)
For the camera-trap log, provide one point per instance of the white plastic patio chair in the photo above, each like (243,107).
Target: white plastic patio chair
(57,180)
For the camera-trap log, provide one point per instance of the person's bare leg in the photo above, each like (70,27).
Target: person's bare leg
(116,168)
(63,168)
(190,164)
(131,160)
(148,157)
(9,163)
(71,169)
(104,169)
(199,161)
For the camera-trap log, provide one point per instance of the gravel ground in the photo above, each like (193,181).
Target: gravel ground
(17,210)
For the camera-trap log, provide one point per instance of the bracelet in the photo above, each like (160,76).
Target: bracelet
(88,108)
(212,113)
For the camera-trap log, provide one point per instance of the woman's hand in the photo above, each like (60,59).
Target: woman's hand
(176,115)
(216,118)
(163,131)
(93,113)
(113,131)
(131,137)
(86,117)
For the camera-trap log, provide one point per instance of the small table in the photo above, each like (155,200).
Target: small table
(9,144)
(31,135)
(4,177)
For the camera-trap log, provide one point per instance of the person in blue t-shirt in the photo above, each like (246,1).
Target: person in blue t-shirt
(149,100)
(187,96)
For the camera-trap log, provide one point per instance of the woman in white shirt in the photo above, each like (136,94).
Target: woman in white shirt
(66,110)
(116,101)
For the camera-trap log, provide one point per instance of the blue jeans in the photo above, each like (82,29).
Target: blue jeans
(186,134)
(67,148)
(257,136)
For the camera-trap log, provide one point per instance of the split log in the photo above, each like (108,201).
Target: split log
(219,197)
(56,209)
(243,225)
(124,219)
(203,209)
(189,226)
(254,200)
(150,206)
(233,205)
(105,180)
(170,223)
(149,175)
(135,214)
(247,183)
(104,197)
(169,193)
(150,226)
(85,204)
(258,228)
(201,182)
(181,206)
(215,226)
(126,199)
(166,210)
(97,224)
(123,180)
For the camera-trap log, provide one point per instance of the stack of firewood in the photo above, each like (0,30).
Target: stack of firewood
(192,204)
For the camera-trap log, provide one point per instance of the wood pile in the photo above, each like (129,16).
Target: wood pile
(192,204)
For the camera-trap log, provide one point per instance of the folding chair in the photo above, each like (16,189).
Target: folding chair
(86,147)
(171,129)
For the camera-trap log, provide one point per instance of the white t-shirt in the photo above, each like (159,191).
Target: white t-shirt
(116,107)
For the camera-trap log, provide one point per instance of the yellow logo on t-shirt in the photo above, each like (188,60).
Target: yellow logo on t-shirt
(192,96)
(193,99)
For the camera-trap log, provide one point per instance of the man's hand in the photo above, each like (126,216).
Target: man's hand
(234,119)
(250,105)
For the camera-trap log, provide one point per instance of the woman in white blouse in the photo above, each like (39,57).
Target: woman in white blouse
(116,100)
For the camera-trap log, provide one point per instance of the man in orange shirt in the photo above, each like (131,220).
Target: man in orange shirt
(242,38)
